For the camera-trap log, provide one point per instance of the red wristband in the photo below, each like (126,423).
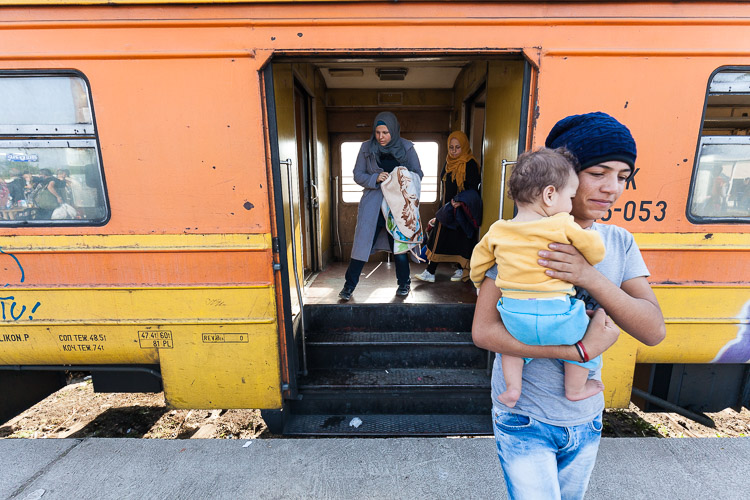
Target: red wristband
(578,350)
(583,349)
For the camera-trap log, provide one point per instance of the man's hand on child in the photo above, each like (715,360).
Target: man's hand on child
(601,333)
(566,263)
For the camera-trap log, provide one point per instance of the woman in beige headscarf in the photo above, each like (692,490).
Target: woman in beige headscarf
(461,177)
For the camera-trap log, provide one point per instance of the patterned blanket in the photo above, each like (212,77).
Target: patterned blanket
(400,208)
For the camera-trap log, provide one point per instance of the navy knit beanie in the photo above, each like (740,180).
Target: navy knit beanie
(594,138)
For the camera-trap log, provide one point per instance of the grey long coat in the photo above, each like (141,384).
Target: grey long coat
(366,172)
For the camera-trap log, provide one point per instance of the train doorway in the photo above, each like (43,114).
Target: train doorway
(373,356)
(324,109)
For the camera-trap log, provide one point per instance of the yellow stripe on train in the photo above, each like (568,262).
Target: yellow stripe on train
(700,321)
(217,347)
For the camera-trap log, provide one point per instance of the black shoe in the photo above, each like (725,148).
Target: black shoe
(346,293)
(403,290)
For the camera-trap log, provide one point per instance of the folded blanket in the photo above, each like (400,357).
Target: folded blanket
(468,214)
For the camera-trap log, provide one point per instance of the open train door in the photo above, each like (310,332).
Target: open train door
(508,99)
(487,97)
(295,126)
(282,150)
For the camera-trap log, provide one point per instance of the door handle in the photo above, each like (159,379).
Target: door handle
(314,199)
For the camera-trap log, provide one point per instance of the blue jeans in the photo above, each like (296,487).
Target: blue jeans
(542,461)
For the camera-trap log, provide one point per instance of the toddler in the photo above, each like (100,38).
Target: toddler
(535,308)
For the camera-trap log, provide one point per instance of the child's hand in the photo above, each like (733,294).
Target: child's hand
(566,263)
(601,333)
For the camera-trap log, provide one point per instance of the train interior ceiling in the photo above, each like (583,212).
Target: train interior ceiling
(324,109)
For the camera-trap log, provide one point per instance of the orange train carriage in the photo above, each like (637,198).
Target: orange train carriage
(177,189)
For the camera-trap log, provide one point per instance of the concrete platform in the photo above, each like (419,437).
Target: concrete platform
(418,468)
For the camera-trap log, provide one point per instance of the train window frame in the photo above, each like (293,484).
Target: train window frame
(698,182)
(68,137)
(347,179)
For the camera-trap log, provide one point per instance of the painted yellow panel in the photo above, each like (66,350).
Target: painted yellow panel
(322,167)
(217,348)
(700,321)
(202,366)
(136,305)
(78,344)
(689,343)
(504,92)
(694,304)
(222,366)
(617,371)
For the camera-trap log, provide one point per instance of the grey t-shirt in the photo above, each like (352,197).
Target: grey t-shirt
(543,392)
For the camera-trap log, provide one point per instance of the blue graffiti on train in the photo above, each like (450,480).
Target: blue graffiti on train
(9,308)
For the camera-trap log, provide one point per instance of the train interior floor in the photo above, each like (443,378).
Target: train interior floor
(377,285)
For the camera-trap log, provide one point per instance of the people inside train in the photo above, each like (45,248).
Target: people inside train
(454,229)
(45,197)
(28,186)
(60,186)
(744,202)
(5,198)
(377,157)
(716,202)
(17,186)
(740,194)
(547,444)
(535,308)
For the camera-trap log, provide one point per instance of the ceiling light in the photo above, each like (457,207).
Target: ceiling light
(343,72)
(391,73)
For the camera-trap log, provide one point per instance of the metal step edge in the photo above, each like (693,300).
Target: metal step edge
(392,333)
(312,343)
(379,377)
(389,388)
(389,425)
(320,317)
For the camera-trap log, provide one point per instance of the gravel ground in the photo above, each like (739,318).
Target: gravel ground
(75,411)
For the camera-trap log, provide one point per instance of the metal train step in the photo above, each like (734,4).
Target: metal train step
(341,350)
(394,378)
(388,317)
(389,425)
(396,402)
(403,369)
(394,391)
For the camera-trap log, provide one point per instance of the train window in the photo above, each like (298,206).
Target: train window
(720,190)
(50,166)
(351,192)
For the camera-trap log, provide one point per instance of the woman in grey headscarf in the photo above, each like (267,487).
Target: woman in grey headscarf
(378,157)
